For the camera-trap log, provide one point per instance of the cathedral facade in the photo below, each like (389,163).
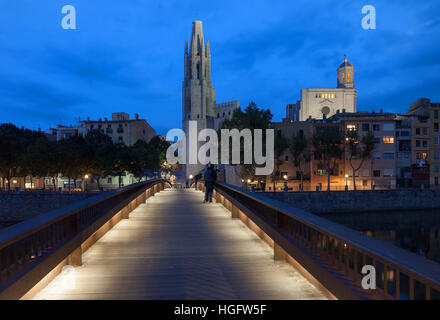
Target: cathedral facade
(319,103)
(198,94)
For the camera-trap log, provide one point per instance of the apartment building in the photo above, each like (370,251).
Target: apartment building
(434,153)
(380,170)
(120,128)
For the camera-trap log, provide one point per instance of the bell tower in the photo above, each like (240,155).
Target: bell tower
(345,75)
(198,95)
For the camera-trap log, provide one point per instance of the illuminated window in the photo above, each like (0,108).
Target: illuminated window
(343,78)
(424,155)
(348,77)
(388,139)
(351,127)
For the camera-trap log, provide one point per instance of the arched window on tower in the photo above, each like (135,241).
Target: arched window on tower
(348,77)
(188,104)
(198,71)
(343,78)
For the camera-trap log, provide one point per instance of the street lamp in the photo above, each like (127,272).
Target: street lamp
(85,182)
(190,176)
(346,186)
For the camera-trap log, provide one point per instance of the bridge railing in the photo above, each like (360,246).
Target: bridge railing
(330,254)
(31,249)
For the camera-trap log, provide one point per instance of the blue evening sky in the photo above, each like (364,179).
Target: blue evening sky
(127,55)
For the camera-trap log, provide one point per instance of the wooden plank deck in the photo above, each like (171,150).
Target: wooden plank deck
(176,247)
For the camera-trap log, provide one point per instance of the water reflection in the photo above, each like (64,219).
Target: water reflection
(415,231)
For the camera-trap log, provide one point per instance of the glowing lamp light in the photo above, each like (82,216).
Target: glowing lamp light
(346,176)
(285,177)
(14,181)
(190,176)
(86,176)
(249,181)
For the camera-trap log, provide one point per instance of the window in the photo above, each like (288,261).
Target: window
(436,154)
(376,155)
(404,133)
(388,140)
(377,140)
(388,172)
(351,127)
(348,77)
(388,126)
(436,140)
(436,168)
(425,144)
(301,133)
(388,155)
(425,131)
(417,143)
(365,127)
(418,131)
(436,114)
(376,127)
(424,155)
(376,173)
(436,127)
(286,158)
(109,180)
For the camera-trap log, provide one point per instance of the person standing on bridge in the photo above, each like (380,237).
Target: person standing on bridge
(210,177)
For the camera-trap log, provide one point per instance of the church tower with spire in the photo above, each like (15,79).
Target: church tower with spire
(198,95)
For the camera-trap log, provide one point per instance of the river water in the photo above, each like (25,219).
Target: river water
(415,231)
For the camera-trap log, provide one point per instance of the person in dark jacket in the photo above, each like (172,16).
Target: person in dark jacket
(210,176)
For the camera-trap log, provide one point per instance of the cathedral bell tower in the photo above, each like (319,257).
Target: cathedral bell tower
(198,95)
(346,75)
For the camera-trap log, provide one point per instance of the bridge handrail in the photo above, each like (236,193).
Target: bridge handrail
(25,244)
(321,233)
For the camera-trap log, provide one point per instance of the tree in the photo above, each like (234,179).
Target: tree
(358,149)
(252,118)
(122,163)
(103,152)
(328,148)
(140,158)
(280,144)
(158,147)
(39,158)
(13,145)
(299,147)
(75,158)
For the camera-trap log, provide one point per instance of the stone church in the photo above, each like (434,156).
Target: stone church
(198,94)
(319,103)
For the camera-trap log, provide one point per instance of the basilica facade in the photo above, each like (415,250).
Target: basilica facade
(319,103)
